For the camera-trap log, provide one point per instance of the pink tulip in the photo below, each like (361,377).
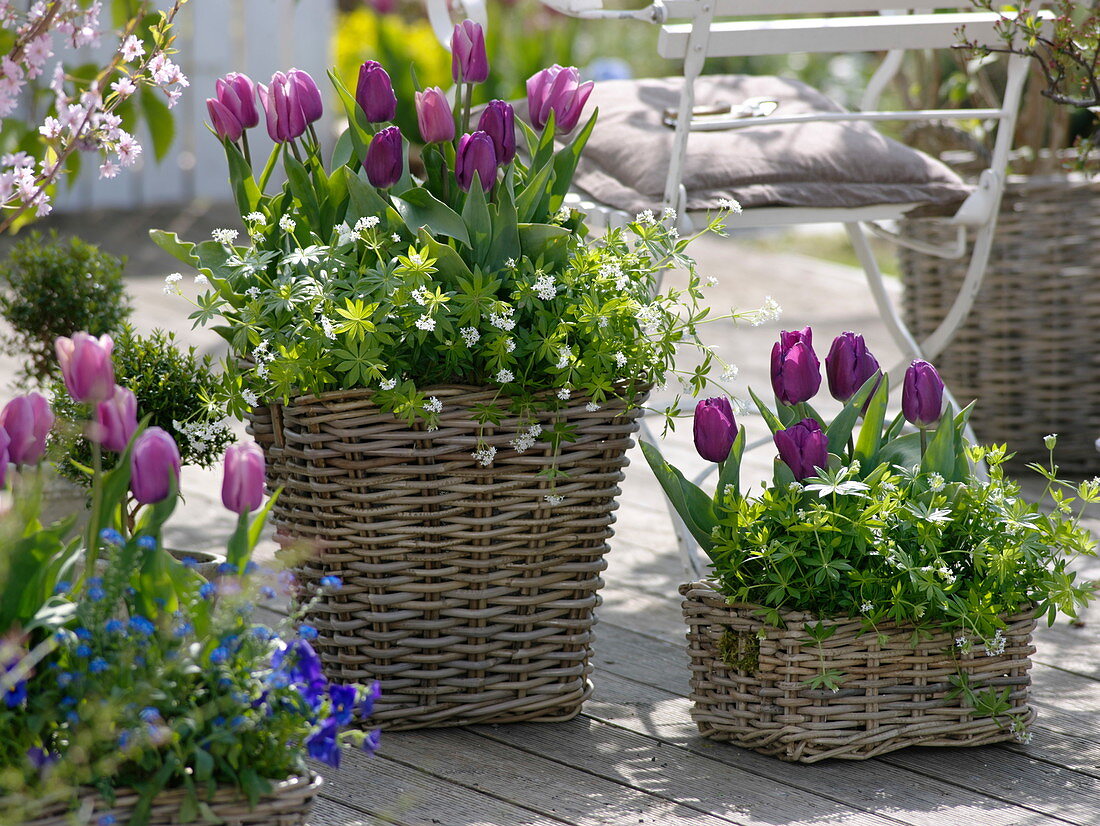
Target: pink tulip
(154,465)
(237,93)
(285,120)
(558,90)
(225,123)
(4,457)
(27,420)
(469,62)
(305,94)
(433,115)
(243,482)
(117,419)
(86,365)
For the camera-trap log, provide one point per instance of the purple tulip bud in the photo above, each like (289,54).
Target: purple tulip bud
(224,121)
(469,62)
(5,457)
(154,466)
(433,115)
(374,93)
(237,93)
(715,429)
(499,122)
(26,420)
(285,120)
(476,153)
(849,365)
(803,447)
(922,395)
(116,420)
(86,366)
(243,480)
(384,162)
(558,90)
(305,94)
(796,372)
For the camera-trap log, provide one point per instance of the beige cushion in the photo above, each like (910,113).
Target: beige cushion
(838,164)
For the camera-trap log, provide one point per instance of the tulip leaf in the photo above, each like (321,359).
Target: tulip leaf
(549,242)
(543,152)
(406,181)
(840,430)
(962,461)
(357,131)
(903,452)
(939,456)
(418,208)
(478,221)
(183,251)
(782,476)
(344,151)
(245,191)
(531,195)
(785,413)
(893,430)
(870,434)
(729,471)
(448,262)
(693,506)
(505,243)
(773,422)
(302,188)
(565,163)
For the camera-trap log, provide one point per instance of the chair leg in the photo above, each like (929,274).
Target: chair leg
(905,340)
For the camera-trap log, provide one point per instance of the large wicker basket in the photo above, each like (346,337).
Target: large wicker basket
(288,804)
(1030,350)
(749,683)
(469,591)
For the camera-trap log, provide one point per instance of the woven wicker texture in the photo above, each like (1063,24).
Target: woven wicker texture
(751,690)
(466,593)
(1029,350)
(288,804)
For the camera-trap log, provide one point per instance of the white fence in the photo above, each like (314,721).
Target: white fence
(258,37)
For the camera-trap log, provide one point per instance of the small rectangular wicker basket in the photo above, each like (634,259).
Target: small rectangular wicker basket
(750,683)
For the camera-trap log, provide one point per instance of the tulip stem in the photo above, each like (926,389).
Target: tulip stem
(247,151)
(91,545)
(270,167)
(923,441)
(467,105)
(294,149)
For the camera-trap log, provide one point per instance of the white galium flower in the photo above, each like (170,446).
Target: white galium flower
(224,236)
(553,500)
(426,323)
(366,223)
(730,204)
(287,224)
(255,218)
(485,455)
(645,217)
(504,376)
(171,284)
(545,288)
(470,335)
(564,394)
(201,280)
(249,397)
(591,407)
(711,281)
(620,359)
(433,405)
(730,372)
(388,384)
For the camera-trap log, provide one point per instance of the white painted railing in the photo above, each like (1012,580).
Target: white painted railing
(257,37)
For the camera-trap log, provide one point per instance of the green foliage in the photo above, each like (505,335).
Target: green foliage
(51,287)
(175,389)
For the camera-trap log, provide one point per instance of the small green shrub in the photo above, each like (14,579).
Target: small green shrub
(173,387)
(51,287)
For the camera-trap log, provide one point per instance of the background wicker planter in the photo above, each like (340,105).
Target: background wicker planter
(1030,350)
(750,690)
(465,592)
(289,804)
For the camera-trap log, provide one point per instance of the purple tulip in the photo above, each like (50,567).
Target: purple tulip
(849,365)
(5,456)
(86,366)
(384,163)
(469,62)
(224,122)
(285,120)
(715,429)
(922,395)
(26,420)
(796,372)
(374,93)
(237,93)
(803,447)
(476,153)
(433,115)
(116,420)
(304,92)
(154,466)
(499,122)
(243,480)
(558,90)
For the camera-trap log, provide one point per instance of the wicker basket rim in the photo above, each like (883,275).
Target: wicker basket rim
(447,390)
(1026,611)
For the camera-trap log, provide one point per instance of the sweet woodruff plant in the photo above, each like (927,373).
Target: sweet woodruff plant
(865,519)
(473,271)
